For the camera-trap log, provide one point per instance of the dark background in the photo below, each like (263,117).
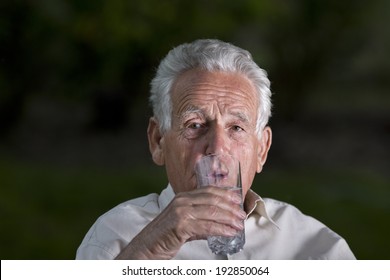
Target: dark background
(74,82)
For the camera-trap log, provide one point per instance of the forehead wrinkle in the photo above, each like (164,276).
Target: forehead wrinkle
(241,116)
(193,95)
(215,89)
(191,109)
(223,97)
(228,107)
(185,103)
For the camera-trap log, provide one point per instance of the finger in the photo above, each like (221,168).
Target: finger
(232,195)
(219,198)
(186,211)
(209,228)
(217,215)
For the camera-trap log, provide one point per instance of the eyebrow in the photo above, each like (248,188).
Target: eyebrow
(241,116)
(192,110)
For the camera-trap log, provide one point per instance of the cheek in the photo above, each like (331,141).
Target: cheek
(248,172)
(180,157)
(248,160)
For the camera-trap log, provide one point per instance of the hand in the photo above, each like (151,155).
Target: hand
(190,216)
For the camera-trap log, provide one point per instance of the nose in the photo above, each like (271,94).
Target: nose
(217,141)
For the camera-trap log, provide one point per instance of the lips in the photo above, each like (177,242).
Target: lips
(219,174)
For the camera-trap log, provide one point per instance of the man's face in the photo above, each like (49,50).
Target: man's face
(213,113)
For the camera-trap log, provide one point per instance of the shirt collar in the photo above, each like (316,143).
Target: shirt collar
(165,197)
(253,203)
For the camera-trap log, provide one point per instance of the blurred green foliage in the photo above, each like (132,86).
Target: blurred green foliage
(74,81)
(46,211)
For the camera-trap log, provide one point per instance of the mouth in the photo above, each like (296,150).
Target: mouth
(218,175)
(214,170)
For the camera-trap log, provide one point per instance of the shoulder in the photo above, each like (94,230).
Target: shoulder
(312,238)
(115,228)
(129,210)
(289,217)
(285,212)
(278,209)
(147,202)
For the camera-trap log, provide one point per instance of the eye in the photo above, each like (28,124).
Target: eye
(237,128)
(196,126)
(194,130)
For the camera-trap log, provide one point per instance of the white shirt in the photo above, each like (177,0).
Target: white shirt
(273,229)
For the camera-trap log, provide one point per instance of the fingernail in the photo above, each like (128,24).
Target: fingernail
(242,214)
(239,225)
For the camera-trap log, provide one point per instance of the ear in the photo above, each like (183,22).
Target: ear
(264,145)
(156,140)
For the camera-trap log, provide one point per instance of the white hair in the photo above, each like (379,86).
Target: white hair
(210,55)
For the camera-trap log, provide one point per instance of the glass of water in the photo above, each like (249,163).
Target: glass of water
(221,171)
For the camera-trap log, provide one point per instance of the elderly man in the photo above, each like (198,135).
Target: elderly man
(208,97)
